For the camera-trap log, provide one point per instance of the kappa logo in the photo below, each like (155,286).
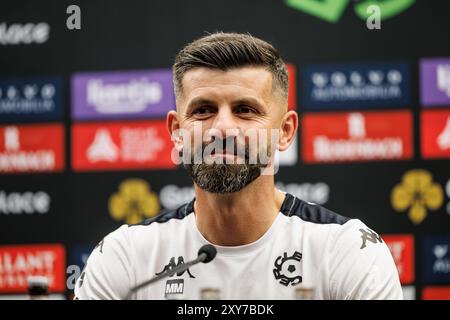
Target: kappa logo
(369,235)
(287,269)
(100,245)
(171,265)
(81,280)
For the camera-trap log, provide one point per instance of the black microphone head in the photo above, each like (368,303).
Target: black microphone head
(209,251)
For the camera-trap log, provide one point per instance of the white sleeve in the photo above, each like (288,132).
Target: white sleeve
(361,265)
(108,273)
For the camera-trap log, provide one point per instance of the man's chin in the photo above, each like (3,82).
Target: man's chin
(223,178)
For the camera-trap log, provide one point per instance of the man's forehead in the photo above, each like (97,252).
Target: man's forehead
(255,79)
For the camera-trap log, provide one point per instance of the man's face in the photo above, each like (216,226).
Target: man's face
(228,119)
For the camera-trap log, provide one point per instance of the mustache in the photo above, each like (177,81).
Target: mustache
(243,151)
(229,145)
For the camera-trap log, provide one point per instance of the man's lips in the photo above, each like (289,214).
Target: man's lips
(219,154)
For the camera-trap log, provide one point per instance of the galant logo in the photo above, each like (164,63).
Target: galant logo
(19,262)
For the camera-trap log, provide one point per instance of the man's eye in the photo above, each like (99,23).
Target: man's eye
(202,111)
(244,109)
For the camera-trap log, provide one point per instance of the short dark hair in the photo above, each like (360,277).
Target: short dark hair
(226,51)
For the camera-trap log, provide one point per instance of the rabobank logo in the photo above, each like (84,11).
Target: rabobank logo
(436,253)
(31,98)
(356,85)
(114,95)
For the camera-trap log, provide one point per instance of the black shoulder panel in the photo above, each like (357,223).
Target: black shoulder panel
(179,213)
(293,206)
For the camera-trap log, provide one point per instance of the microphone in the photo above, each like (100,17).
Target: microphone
(205,254)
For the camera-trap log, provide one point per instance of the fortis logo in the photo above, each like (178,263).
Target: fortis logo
(332,10)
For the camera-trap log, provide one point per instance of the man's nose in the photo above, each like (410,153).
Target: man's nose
(224,125)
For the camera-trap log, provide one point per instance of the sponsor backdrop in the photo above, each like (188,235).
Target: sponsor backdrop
(84,149)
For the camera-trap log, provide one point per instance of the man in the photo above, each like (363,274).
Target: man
(271,245)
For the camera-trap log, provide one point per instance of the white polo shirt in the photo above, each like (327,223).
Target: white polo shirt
(307,248)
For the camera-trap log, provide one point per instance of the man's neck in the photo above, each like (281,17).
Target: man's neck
(238,218)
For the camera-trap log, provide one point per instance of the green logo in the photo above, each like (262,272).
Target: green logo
(332,10)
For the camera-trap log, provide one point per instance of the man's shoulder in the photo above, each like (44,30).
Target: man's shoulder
(166,215)
(311,212)
(158,229)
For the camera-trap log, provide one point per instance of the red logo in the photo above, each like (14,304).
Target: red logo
(357,136)
(436,293)
(19,262)
(121,145)
(31,148)
(435,134)
(402,250)
(292,87)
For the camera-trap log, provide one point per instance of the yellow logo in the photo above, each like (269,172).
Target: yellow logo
(417,192)
(133,202)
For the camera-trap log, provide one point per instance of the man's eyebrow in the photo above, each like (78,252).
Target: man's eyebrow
(198,102)
(249,100)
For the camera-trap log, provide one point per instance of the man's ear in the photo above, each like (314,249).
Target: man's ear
(288,129)
(173,126)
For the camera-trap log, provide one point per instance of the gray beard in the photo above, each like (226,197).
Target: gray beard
(223,178)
